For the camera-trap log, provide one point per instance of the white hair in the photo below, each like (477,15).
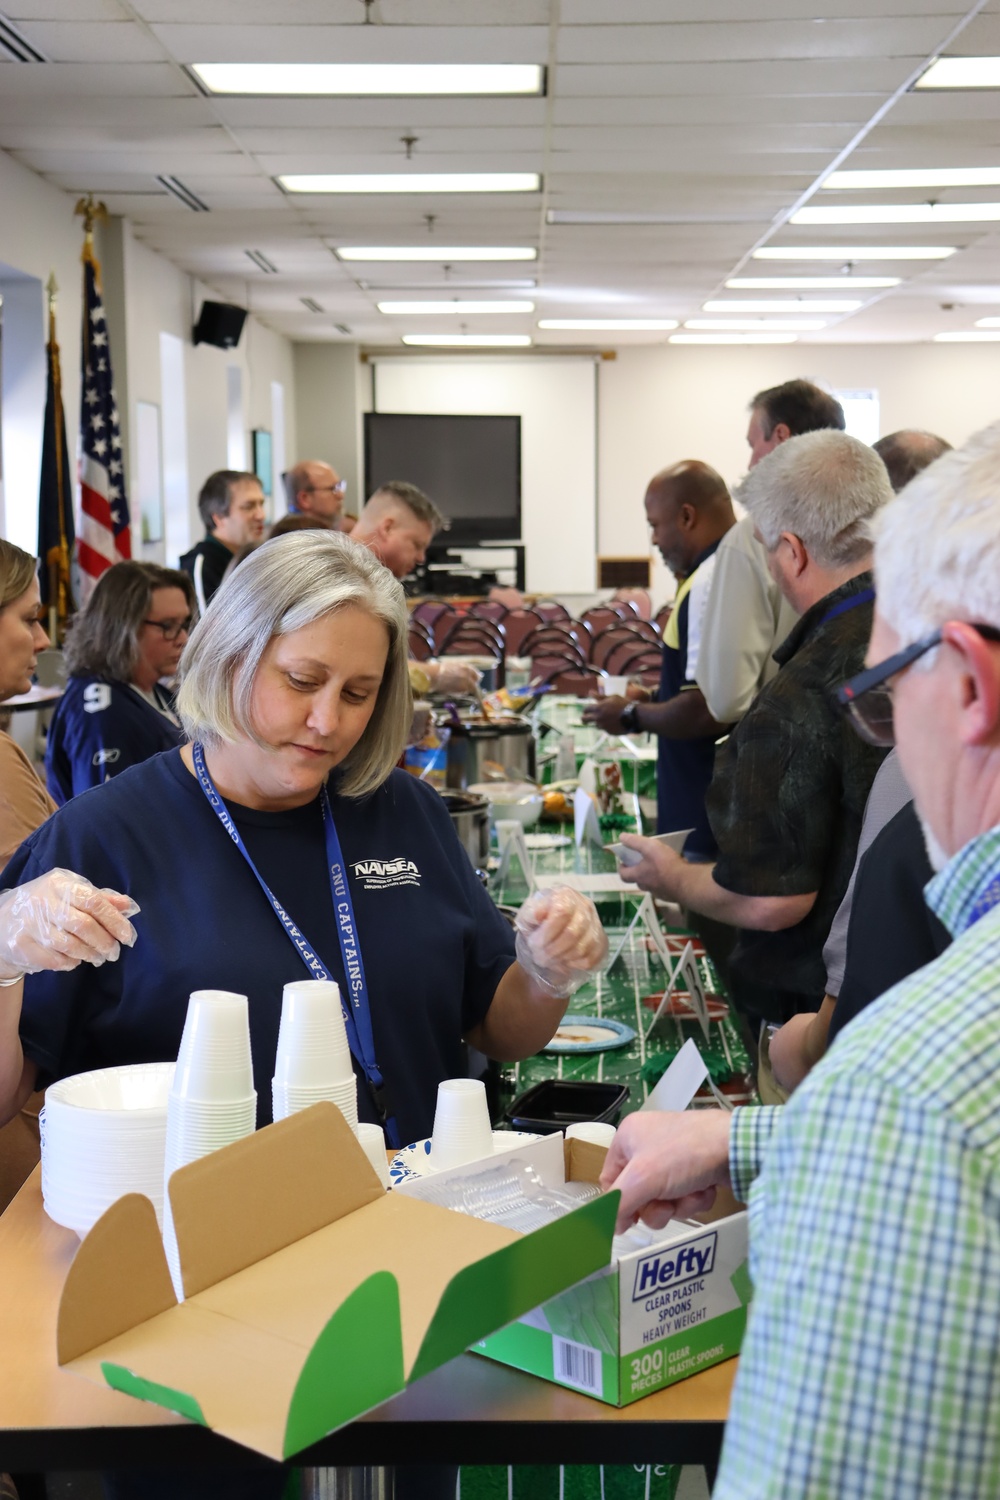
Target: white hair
(937,549)
(824,487)
(284,585)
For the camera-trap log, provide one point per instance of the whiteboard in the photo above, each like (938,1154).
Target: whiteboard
(556,401)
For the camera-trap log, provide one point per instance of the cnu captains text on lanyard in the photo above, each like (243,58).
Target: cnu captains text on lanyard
(357,1014)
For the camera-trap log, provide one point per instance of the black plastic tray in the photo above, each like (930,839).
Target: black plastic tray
(557,1102)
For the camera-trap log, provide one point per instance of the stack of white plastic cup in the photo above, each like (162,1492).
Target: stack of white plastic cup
(313,1061)
(212,1102)
(372,1142)
(462,1130)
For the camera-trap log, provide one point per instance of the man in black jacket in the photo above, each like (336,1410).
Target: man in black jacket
(232,507)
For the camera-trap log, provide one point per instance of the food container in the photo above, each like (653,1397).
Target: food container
(470,814)
(477,743)
(511,799)
(557,1102)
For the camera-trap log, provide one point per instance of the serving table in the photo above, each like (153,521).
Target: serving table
(471,1411)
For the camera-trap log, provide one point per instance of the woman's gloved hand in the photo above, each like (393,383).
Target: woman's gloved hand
(452,676)
(560,941)
(60,920)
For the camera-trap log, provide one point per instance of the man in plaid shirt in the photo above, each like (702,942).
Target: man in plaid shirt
(871,1365)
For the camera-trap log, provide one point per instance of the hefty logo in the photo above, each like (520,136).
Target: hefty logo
(674,1264)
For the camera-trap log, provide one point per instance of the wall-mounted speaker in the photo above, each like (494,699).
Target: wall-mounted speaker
(219,323)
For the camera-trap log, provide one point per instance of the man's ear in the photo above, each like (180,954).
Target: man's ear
(781,432)
(978,666)
(797,552)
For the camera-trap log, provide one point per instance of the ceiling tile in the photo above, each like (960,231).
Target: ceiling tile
(283,43)
(93,41)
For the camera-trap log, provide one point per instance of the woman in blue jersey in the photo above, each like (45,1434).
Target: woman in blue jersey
(123,647)
(282,841)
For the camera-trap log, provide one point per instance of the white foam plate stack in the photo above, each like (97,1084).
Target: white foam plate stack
(104,1135)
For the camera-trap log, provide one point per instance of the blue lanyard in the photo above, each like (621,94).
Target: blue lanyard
(843,607)
(357,1015)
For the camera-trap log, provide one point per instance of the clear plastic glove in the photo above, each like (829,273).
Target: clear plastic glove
(60,920)
(560,941)
(452,676)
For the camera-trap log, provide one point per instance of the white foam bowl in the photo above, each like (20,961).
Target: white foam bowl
(511,799)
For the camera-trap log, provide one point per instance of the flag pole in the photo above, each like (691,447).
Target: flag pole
(57,557)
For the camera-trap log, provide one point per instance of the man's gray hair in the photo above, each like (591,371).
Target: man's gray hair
(288,583)
(937,549)
(825,488)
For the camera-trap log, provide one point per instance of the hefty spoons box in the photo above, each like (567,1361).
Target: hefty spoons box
(311,1294)
(662,1313)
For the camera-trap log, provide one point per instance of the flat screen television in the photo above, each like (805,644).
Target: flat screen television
(470,466)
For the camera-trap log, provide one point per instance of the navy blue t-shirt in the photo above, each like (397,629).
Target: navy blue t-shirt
(99,729)
(434,946)
(684,767)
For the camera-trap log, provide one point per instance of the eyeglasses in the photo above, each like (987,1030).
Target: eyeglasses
(340,488)
(172,628)
(867,697)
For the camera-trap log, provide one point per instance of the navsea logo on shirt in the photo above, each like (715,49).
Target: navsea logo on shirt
(380,874)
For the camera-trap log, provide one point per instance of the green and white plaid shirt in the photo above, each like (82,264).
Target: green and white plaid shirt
(871,1365)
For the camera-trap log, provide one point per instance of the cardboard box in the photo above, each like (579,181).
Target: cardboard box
(311,1294)
(660,1315)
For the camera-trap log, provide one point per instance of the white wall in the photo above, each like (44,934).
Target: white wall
(331,386)
(660,404)
(161,299)
(555,399)
(38,236)
(144,296)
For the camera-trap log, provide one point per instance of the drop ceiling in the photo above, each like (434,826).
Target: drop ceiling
(684,111)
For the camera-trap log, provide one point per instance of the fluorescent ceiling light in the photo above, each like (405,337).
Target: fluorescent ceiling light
(610,325)
(988,322)
(962,73)
(469,340)
(732,338)
(967,338)
(410,182)
(901,213)
(758,325)
(370,78)
(408,309)
(446,254)
(810,283)
(918,177)
(780,305)
(855,252)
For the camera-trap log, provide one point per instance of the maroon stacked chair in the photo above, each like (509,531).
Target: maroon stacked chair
(489,609)
(551,609)
(420,641)
(517,624)
(600,616)
(639,632)
(581,680)
(566,632)
(645,664)
(663,615)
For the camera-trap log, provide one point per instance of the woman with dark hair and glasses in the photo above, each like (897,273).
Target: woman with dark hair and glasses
(124,645)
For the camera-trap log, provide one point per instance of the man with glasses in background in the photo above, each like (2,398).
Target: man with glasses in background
(313,488)
(232,506)
(871,1364)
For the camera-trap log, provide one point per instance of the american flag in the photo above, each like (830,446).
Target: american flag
(104,536)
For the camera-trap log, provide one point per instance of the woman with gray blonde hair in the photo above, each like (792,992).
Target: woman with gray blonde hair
(124,646)
(282,843)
